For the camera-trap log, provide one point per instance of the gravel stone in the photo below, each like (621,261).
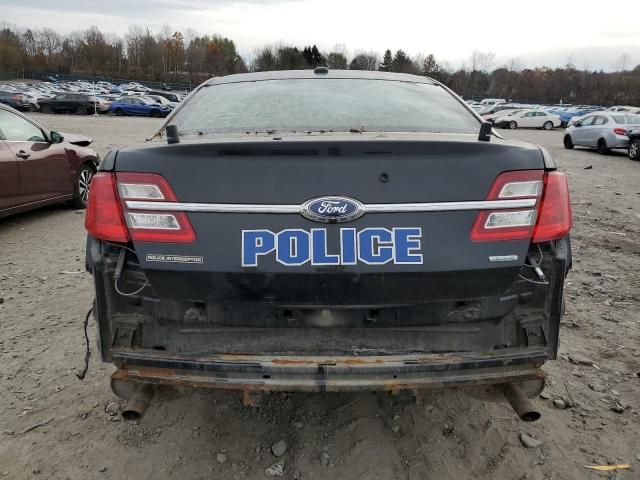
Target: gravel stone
(618,408)
(559,403)
(529,442)
(279,448)
(275,470)
(112,408)
(580,360)
(221,458)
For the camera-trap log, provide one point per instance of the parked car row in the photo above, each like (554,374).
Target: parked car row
(83,97)
(493,109)
(590,126)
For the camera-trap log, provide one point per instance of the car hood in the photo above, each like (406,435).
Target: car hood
(76,139)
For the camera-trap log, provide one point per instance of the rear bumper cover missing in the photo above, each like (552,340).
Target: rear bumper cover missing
(325,374)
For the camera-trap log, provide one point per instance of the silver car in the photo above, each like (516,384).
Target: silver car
(602,130)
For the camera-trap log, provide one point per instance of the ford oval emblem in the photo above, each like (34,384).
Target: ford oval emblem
(332,209)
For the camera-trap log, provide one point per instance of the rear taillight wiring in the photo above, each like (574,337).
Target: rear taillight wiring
(118,273)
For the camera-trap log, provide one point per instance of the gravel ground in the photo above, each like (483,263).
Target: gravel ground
(55,426)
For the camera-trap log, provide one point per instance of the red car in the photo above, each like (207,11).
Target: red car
(39,168)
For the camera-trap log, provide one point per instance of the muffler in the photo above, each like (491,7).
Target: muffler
(138,403)
(524,408)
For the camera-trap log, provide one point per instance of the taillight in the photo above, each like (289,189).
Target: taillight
(517,224)
(619,131)
(548,219)
(150,225)
(104,218)
(554,215)
(109,218)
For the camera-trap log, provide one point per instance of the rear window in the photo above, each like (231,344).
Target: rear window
(626,119)
(324,104)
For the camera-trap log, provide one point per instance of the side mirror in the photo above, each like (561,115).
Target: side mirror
(577,124)
(56,137)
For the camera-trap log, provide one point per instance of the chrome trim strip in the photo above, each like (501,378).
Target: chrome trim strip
(368,208)
(449,206)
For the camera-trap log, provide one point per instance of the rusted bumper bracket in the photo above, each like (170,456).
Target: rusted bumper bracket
(330,374)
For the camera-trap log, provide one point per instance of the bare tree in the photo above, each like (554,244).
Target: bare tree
(482,61)
(623,62)
(51,42)
(364,61)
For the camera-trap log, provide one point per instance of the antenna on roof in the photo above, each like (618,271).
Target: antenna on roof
(485,132)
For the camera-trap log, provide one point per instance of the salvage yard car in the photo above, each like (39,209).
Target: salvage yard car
(139,106)
(602,131)
(327,231)
(79,103)
(528,119)
(39,168)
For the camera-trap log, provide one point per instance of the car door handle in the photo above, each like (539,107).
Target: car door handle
(22,154)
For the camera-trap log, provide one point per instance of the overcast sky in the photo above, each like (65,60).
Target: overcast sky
(537,32)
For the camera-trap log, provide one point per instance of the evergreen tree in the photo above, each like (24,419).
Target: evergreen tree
(430,67)
(308,56)
(316,57)
(385,66)
(401,62)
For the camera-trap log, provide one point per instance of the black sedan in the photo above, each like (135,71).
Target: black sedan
(80,103)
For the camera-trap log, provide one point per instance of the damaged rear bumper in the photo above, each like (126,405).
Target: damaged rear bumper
(326,374)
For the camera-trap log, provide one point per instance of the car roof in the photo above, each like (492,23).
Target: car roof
(304,74)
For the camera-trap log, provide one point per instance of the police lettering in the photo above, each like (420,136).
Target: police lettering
(370,246)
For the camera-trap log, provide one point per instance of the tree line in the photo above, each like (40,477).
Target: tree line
(170,55)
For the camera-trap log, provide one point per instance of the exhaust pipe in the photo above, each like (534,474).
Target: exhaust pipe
(524,408)
(138,403)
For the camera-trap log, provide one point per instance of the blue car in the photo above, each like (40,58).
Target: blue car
(567,114)
(138,106)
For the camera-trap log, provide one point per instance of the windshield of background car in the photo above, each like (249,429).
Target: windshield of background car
(626,119)
(327,104)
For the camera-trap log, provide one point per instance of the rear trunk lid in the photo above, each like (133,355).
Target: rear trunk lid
(228,185)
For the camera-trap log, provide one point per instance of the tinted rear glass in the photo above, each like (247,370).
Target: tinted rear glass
(324,104)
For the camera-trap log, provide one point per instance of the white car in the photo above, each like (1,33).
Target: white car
(492,117)
(529,119)
(492,101)
(621,109)
(602,130)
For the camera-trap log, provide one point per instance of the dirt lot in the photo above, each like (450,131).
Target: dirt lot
(44,295)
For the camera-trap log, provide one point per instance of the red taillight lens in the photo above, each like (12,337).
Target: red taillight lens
(499,225)
(104,218)
(150,225)
(548,219)
(109,218)
(619,131)
(554,215)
